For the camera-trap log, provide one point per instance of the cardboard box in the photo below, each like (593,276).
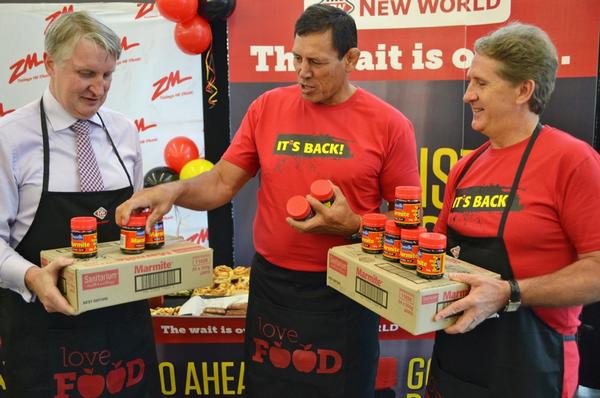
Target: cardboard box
(396,293)
(114,278)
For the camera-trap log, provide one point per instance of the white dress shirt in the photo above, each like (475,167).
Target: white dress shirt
(21,171)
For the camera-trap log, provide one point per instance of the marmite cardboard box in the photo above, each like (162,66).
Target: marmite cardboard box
(113,278)
(396,293)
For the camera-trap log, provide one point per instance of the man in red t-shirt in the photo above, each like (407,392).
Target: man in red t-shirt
(304,339)
(524,205)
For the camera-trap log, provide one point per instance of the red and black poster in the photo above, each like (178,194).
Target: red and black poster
(415,55)
(204,356)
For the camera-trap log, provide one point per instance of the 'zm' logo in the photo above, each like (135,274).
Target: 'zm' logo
(199,237)
(125,45)
(3,112)
(23,65)
(141,125)
(166,82)
(144,8)
(52,17)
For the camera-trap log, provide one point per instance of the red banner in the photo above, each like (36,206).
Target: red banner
(440,51)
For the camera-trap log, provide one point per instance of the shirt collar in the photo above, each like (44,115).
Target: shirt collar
(57,116)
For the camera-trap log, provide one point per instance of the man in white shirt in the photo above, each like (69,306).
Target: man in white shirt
(46,174)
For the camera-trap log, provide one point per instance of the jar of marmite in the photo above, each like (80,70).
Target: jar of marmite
(156,238)
(84,237)
(407,206)
(410,246)
(430,260)
(391,242)
(299,209)
(133,235)
(373,227)
(322,190)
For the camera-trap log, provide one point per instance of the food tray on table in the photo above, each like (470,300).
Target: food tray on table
(228,295)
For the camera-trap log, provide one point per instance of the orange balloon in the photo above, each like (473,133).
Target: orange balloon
(194,36)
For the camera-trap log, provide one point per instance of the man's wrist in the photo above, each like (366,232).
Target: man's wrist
(514,299)
(357,234)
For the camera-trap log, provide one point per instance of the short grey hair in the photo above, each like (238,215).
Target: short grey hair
(64,34)
(526,53)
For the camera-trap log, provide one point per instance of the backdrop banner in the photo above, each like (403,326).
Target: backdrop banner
(204,356)
(414,55)
(155,84)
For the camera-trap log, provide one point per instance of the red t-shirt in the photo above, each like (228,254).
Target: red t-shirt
(364,145)
(553,217)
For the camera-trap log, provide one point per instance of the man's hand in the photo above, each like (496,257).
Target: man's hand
(42,282)
(486,297)
(159,198)
(339,219)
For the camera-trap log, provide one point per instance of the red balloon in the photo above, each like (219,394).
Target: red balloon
(177,10)
(194,36)
(179,151)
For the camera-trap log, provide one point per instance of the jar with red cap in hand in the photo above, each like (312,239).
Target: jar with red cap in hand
(155,239)
(299,209)
(133,235)
(322,190)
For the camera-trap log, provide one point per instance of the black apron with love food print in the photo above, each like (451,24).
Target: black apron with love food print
(107,352)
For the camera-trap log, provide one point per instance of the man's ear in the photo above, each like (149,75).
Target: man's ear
(351,58)
(49,64)
(526,89)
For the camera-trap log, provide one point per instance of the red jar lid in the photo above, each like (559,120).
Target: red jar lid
(392,228)
(321,190)
(374,220)
(298,207)
(408,192)
(136,221)
(412,233)
(432,240)
(83,223)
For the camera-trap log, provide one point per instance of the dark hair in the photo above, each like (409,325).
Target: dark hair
(319,18)
(525,52)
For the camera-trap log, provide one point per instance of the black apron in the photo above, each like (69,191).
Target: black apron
(107,352)
(588,341)
(304,339)
(516,355)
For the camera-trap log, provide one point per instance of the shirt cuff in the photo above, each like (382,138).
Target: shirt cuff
(13,277)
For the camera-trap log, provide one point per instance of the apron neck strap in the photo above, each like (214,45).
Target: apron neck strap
(515,184)
(46,147)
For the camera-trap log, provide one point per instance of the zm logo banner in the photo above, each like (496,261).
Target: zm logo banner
(321,146)
(486,198)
